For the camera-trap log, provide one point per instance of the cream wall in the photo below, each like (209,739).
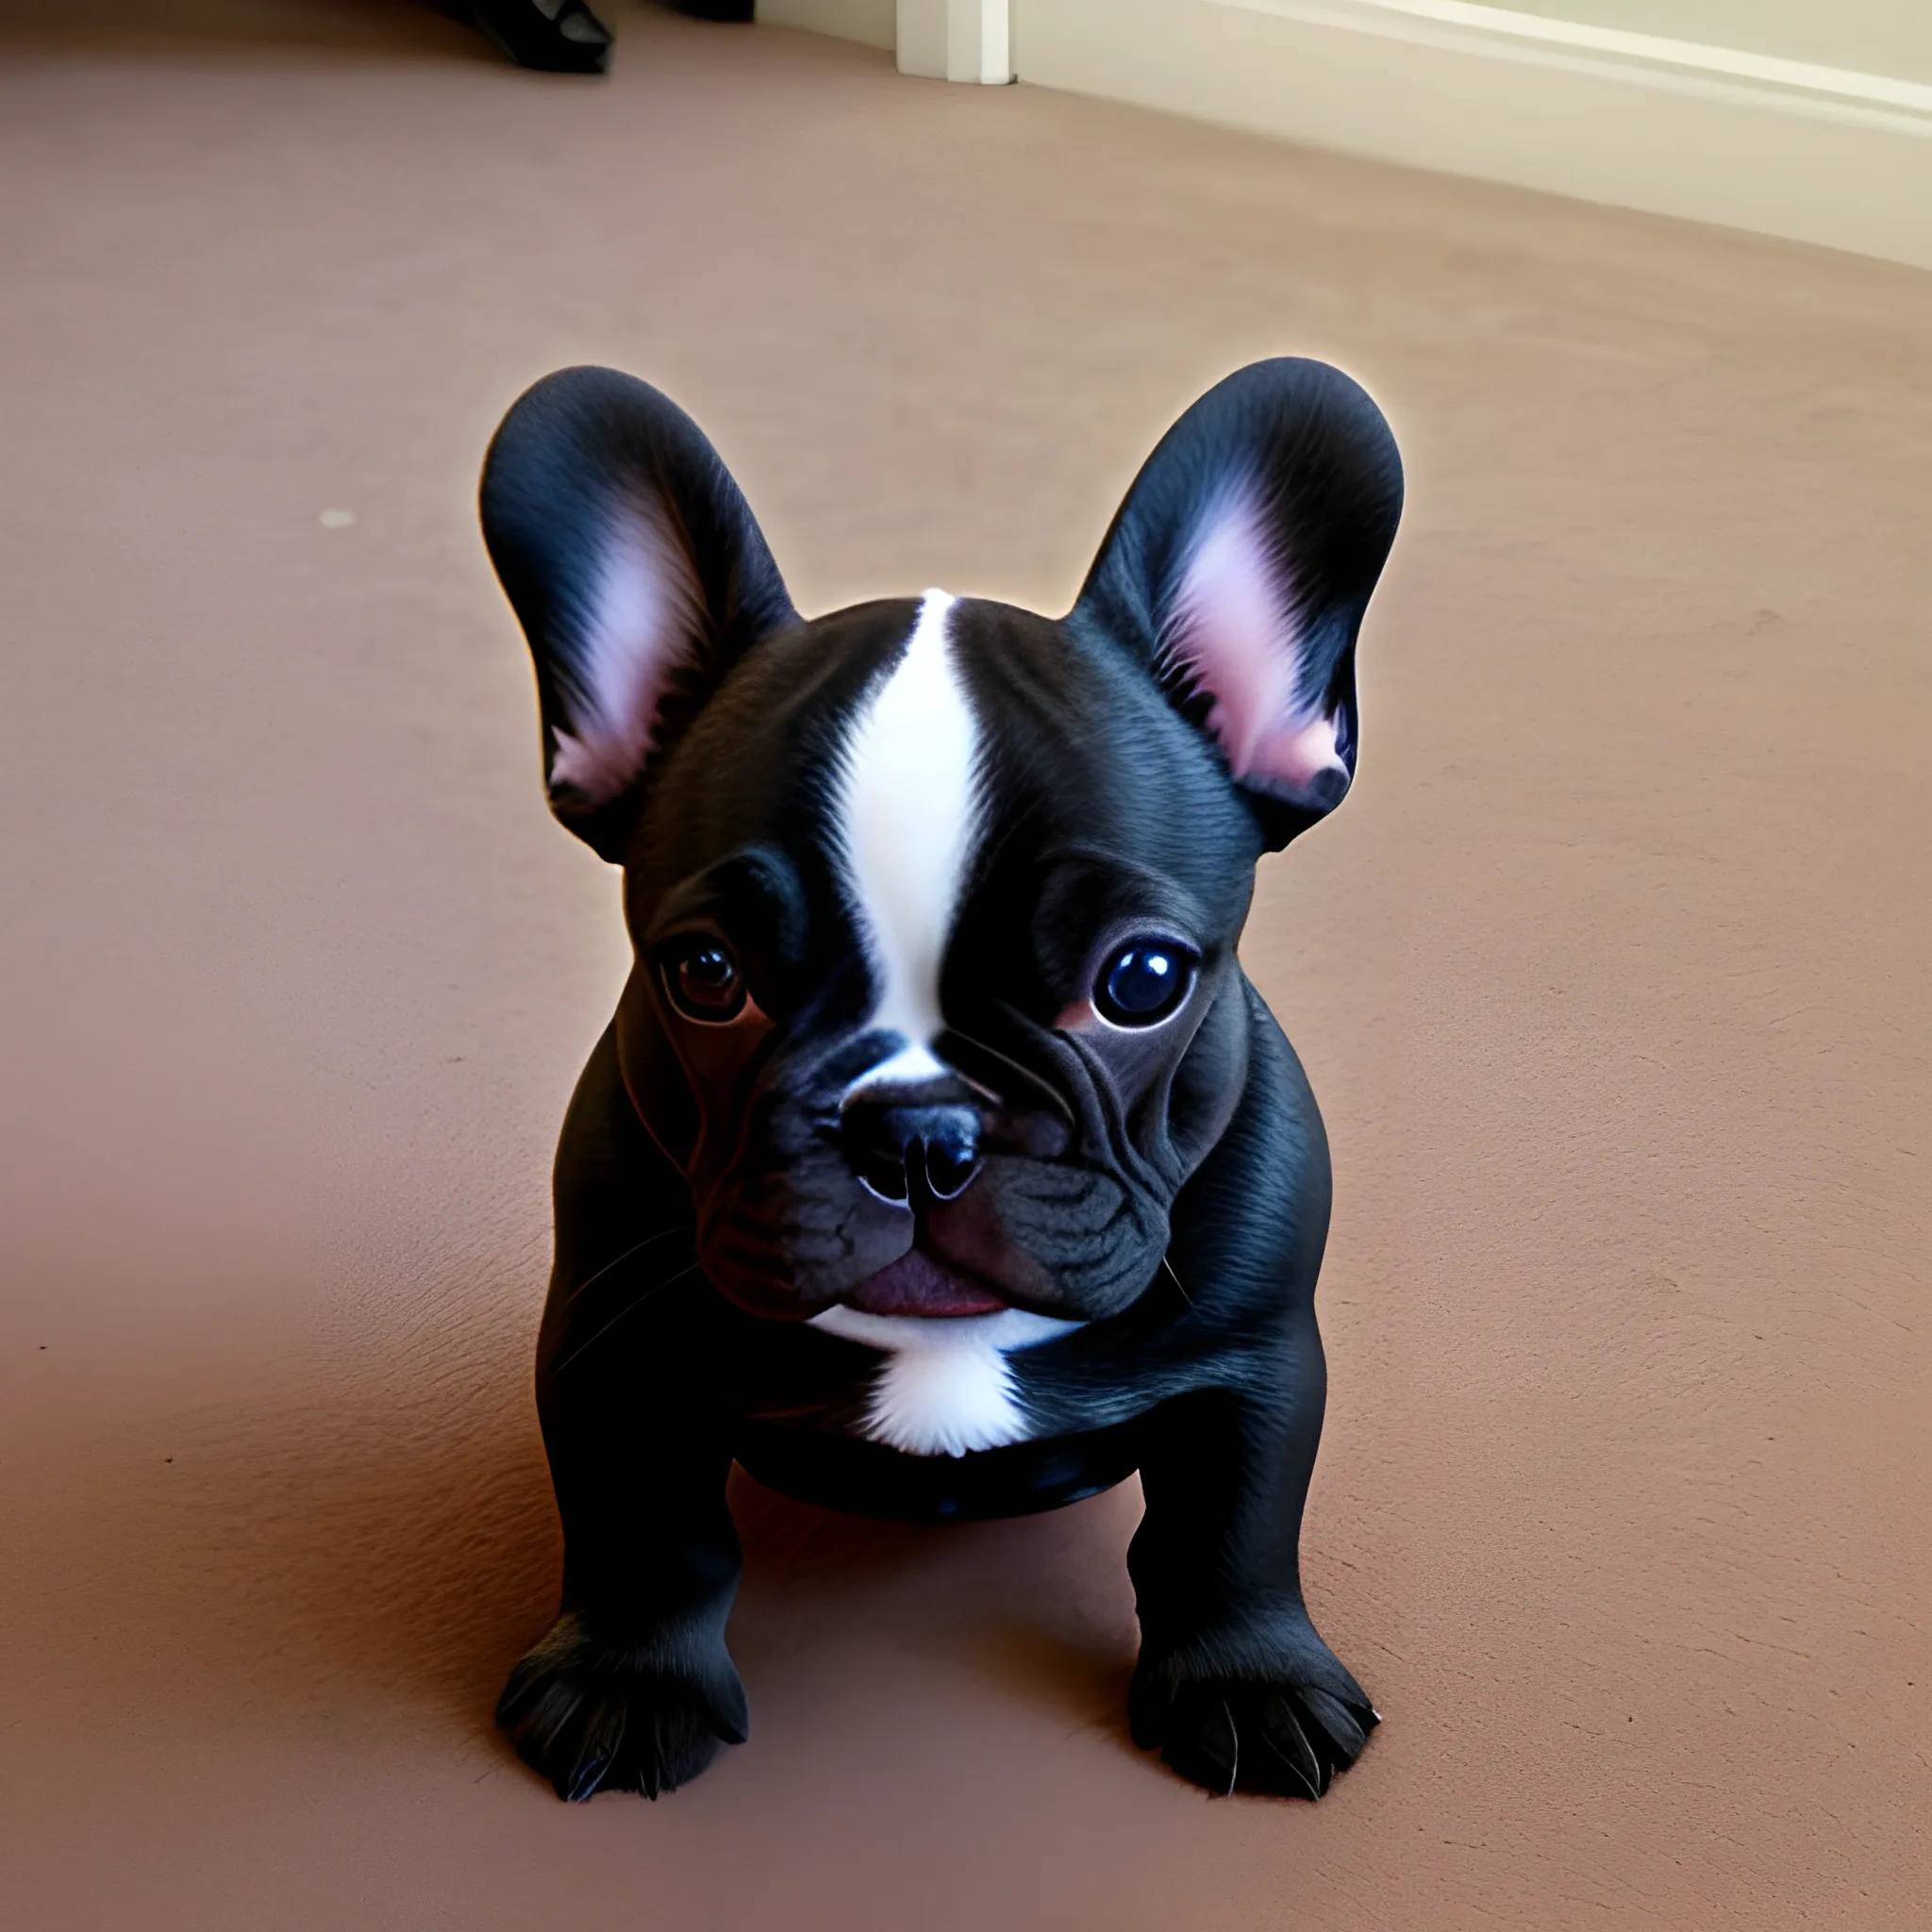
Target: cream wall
(873,22)
(1794,118)
(1885,37)
(1891,37)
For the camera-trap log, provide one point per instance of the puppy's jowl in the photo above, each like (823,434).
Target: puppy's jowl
(940,1161)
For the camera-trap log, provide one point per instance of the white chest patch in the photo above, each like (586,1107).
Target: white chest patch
(945,1387)
(907,818)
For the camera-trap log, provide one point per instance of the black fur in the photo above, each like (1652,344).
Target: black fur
(1166,1188)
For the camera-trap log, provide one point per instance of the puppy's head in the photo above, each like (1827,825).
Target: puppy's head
(935,901)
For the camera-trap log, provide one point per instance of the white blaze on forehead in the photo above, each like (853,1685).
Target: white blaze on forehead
(907,819)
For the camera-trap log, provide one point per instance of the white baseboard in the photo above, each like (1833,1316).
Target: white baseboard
(956,39)
(1714,134)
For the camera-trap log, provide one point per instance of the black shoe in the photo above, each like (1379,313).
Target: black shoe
(553,36)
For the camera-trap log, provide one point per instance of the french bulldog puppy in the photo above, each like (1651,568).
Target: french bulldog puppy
(941,1161)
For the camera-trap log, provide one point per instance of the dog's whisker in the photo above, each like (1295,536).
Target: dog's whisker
(1176,1280)
(630,1308)
(617,1261)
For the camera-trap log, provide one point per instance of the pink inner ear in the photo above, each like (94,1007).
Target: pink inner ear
(1235,628)
(644,621)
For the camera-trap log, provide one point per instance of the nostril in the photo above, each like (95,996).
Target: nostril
(883,1172)
(877,1150)
(949,1168)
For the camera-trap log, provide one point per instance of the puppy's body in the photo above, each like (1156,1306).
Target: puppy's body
(941,1161)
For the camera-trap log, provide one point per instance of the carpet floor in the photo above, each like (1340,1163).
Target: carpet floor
(1610,977)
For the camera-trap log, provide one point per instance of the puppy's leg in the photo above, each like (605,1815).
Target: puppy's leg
(1233,1684)
(632,1687)
(1234,1687)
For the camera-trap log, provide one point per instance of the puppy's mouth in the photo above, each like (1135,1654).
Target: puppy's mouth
(916,1284)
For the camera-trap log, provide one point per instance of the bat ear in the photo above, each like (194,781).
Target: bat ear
(1238,571)
(637,573)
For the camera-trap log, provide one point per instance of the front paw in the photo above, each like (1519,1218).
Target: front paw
(1284,1730)
(594,1717)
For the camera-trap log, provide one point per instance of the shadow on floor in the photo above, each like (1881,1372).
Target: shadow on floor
(344,1547)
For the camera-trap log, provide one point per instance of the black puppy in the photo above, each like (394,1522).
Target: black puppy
(941,1161)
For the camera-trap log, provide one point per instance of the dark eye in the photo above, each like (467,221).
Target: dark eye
(1143,983)
(702,980)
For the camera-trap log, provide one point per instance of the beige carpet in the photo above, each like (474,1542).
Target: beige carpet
(1611,978)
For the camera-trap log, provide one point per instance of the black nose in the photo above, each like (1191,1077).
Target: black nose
(909,1153)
